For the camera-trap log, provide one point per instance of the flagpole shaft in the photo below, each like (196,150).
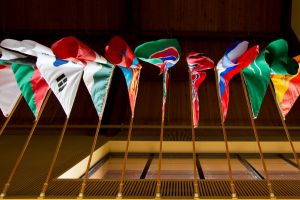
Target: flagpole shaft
(285,128)
(90,159)
(196,188)
(12,174)
(125,159)
(158,186)
(10,115)
(225,138)
(257,138)
(45,186)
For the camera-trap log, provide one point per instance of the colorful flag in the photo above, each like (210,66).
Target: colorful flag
(164,53)
(97,73)
(197,63)
(257,74)
(9,90)
(287,89)
(32,85)
(119,53)
(279,61)
(62,76)
(235,59)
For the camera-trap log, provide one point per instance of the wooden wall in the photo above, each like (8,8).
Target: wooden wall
(204,26)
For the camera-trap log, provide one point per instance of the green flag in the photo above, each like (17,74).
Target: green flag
(32,85)
(273,59)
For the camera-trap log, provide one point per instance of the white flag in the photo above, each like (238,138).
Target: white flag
(28,47)
(62,76)
(9,90)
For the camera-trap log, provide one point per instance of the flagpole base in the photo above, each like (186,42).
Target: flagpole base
(80,196)
(119,195)
(233,195)
(196,196)
(272,195)
(2,195)
(157,195)
(42,195)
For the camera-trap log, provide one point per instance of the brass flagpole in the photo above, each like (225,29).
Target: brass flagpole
(196,187)
(10,115)
(285,128)
(119,195)
(12,174)
(80,196)
(257,138)
(83,185)
(125,159)
(225,138)
(158,186)
(161,138)
(45,186)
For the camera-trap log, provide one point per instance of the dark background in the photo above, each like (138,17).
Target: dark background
(203,26)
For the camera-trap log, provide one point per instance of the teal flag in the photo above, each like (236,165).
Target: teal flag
(273,59)
(164,53)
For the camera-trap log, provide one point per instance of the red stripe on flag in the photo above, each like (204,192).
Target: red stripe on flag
(39,87)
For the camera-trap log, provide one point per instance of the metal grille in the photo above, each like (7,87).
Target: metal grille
(179,189)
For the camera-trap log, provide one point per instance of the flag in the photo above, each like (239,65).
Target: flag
(164,53)
(28,47)
(73,49)
(273,59)
(287,89)
(9,90)
(277,58)
(32,85)
(234,60)
(97,74)
(62,76)
(119,53)
(197,64)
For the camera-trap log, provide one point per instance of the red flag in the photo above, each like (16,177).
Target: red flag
(119,53)
(197,63)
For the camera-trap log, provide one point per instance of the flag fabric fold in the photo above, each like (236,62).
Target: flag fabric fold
(119,53)
(32,85)
(9,90)
(97,72)
(287,89)
(234,60)
(63,77)
(28,47)
(197,63)
(273,59)
(164,53)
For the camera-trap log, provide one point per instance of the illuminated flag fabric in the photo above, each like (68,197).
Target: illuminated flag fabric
(63,77)
(32,85)
(97,73)
(119,53)
(234,60)
(197,64)
(287,89)
(9,90)
(164,53)
(28,47)
(257,75)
